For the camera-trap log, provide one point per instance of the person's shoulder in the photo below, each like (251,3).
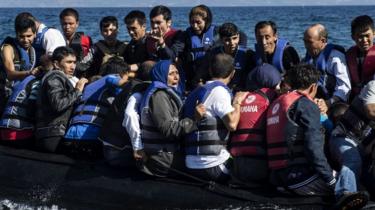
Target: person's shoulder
(307,105)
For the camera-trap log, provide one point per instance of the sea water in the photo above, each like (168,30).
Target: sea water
(291,23)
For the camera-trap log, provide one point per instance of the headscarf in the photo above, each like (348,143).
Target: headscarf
(160,73)
(264,76)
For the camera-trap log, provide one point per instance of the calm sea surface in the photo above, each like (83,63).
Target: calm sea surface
(291,22)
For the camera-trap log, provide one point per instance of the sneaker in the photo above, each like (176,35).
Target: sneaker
(352,201)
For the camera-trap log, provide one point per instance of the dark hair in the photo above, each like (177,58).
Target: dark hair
(114,65)
(161,10)
(228,30)
(23,24)
(108,20)
(301,76)
(62,52)
(336,111)
(221,65)
(204,12)
(362,23)
(69,12)
(25,15)
(144,70)
(135,15)
(262,24)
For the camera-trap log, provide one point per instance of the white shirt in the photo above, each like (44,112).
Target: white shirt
(368,93)
(52,39)
(218,104)
(337,66)
(132,120)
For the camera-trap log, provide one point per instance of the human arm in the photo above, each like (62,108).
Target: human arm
(59,98)
(7,55)
(337,66)
(307,116)
(367,95)
(232,118)
(52,40)
(165,115)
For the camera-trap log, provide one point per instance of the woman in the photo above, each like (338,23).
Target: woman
(161,125)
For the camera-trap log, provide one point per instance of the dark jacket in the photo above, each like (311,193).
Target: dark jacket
(54,104)
(136,52)
(165,113)
(306,114)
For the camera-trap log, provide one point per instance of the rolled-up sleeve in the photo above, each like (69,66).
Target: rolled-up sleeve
(337,66)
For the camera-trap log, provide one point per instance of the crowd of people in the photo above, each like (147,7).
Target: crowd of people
(197,100)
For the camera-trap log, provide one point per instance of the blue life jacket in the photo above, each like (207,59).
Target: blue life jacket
(239,65)
(18,113)
(277,59)
(91,109)
(327,81)
(38,44)
(212,135)
(152,139)
(23,61)
(199,46)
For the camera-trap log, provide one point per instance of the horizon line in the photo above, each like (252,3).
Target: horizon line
(183,6)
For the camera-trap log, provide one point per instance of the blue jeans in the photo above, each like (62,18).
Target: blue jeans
(346,153)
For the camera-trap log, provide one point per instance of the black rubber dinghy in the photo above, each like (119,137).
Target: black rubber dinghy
(46,179)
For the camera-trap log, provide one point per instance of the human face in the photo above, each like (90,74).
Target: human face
(364,39)
(26,38)
(69,24)
(173,76)
(136,30)
(267,39)
(159,24)
(67,65)
(313,43)
(231,43)
(109,34)
(197,24)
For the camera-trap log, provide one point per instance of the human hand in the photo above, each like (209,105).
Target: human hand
(81,83)
(140,155)
(239,97)
(323,107)
(200,111)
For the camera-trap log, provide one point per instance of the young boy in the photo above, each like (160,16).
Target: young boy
(360,57)
(78,41)
(58,93)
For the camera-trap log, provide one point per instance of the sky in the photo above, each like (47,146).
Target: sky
(176,3)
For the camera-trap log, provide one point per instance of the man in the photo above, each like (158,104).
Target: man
(162,34)
(272,49)
(360,58)
(17,57)
(205,148)
(57,95)
(47,39)
(350,139)
(136,52)
(78,41)
(294,141)
(329,59)
(248,142)
(107,49)
(243,58)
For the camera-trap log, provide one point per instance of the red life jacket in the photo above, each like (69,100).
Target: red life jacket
(81,44)
(249,138)
(168,39)
(360,77)
(284,136)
